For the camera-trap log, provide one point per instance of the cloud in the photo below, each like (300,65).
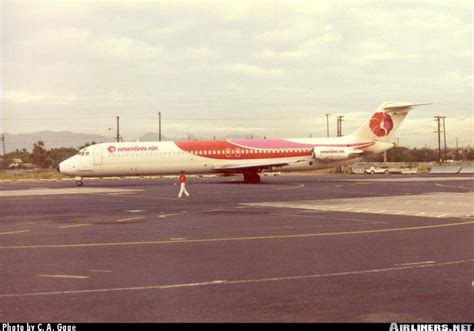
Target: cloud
(250,70)
(126,49)
(26,97)
(298,59)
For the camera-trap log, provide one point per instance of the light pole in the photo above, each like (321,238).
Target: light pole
(339,126)
(3,144)
(327,125)
(159,126)
(118,128)
(438,119)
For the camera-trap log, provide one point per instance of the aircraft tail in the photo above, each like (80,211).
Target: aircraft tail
(385,121)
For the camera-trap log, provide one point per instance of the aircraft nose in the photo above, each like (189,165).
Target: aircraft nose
(62,168)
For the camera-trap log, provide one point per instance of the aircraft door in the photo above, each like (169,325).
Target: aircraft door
(97,156)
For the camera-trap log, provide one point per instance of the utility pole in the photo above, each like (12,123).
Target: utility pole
(339,133)
(438,119)
(3,144)
(444,134)
(159,126)
(457,149)
(339,126)
(118,128)
(327,125)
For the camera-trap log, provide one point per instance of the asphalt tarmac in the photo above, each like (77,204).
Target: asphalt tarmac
(378,248)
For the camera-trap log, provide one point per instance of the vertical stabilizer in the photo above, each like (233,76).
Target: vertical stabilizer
(385,121)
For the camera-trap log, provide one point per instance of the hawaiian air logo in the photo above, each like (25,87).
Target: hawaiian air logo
(111,149)
(381,124)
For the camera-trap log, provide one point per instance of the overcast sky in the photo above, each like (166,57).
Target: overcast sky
(221,68)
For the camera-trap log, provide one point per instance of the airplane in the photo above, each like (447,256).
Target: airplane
(249,157)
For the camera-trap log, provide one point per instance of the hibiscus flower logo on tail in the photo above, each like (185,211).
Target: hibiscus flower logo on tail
(381,124)
(111,149)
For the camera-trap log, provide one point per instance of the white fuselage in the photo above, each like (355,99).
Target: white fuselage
(246,156)
(202,157)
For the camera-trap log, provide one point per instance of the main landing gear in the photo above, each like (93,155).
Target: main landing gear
(251,178)
(79,181)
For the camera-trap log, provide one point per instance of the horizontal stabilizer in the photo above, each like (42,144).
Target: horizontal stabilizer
(391,107)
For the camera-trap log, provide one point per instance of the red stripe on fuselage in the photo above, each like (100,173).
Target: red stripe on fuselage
(225,150)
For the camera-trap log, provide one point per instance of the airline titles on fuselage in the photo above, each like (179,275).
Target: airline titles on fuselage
(113,149)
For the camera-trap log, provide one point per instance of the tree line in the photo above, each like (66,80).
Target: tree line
(43,158)
(404,154)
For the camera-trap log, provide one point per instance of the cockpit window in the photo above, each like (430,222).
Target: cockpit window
(82,152)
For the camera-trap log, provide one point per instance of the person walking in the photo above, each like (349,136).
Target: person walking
(182,183)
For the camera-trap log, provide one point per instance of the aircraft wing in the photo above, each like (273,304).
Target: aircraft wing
(259,165)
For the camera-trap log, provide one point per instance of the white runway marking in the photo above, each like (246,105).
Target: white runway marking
(65,276)
(415,263)
(168,215)
(135,210)
(452,186)
(412,179)
(232,282)
(130,219)
(425,205)
(120,193)
(326,218)
(291,187)
(14,232)
(61,191)
(73,226)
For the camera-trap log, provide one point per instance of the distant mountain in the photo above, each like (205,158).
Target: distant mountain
(51,139)
(152,136)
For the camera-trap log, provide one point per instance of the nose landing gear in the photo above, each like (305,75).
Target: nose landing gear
(79,181)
